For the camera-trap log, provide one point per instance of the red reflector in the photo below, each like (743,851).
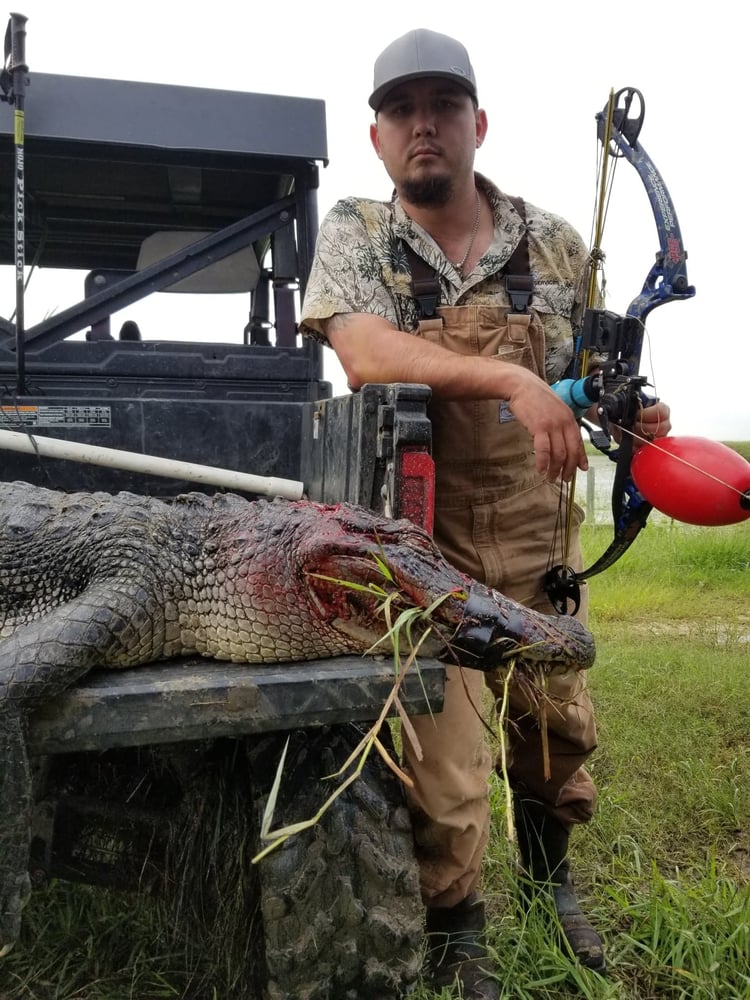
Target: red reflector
(416,488)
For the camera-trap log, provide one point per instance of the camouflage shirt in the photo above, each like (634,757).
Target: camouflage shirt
(360,267)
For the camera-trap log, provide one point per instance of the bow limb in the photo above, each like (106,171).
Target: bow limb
(667,279)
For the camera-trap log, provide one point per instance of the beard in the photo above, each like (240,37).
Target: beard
(428,192)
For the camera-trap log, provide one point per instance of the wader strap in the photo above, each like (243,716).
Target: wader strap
(425,284)
(518,281)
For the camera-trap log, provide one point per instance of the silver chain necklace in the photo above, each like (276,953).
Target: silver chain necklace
(459,265)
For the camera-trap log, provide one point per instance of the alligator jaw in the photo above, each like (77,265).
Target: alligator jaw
(495,628)
(473,624)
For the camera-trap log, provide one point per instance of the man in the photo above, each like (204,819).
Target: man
(502,441)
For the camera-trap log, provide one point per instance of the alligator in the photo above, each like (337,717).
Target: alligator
(101,580)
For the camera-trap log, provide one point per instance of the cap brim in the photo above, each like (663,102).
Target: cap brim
(378,95)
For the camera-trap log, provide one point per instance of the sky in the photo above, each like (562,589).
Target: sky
(541,80)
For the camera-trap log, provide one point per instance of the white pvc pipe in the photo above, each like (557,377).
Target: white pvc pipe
(289,489)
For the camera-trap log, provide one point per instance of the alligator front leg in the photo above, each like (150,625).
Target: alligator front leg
(15,823)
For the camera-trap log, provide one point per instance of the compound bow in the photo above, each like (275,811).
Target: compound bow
(617,387)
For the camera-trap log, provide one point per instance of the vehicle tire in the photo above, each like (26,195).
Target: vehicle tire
(340,901)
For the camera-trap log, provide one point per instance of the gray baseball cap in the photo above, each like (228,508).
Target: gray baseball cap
(418,54)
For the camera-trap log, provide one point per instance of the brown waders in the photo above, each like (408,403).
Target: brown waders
(496,519)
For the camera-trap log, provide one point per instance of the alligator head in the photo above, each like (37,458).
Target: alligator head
(352,560)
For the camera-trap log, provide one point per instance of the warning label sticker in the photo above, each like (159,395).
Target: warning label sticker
(55,416)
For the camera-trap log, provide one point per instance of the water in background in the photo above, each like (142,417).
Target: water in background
(594,491)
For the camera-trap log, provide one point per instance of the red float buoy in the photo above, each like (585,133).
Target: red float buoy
(694,480)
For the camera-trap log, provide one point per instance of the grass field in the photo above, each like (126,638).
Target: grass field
(665,865)
(664,868)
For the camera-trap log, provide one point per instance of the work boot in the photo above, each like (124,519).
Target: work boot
(457,954)
(543,845)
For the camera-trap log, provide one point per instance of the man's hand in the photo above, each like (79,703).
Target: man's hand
(652,422)
(558,444)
